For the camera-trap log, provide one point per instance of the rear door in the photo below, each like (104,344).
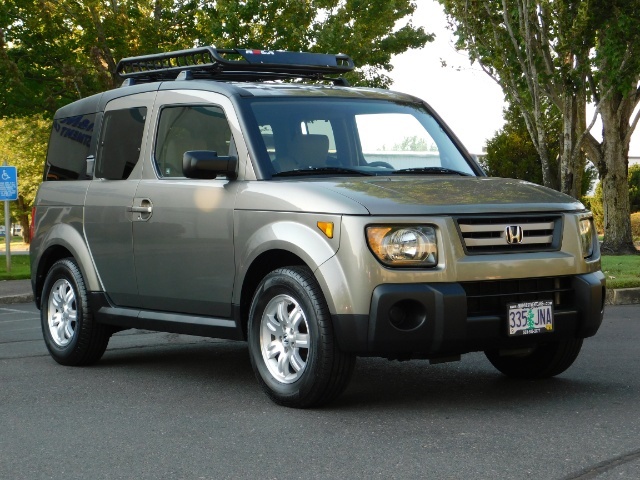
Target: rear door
(109,208)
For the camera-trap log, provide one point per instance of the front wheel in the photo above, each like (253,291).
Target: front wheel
(546,360)
(70,332)
(291,343)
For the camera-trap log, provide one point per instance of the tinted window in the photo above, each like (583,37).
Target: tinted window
(184,128)
(69,147)
(120,142)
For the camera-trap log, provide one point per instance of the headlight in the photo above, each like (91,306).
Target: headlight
(404,246)
(587,234)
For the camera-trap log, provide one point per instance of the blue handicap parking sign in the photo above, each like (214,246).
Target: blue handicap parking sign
(8,183)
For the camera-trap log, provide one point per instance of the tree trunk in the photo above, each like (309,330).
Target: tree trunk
(570,164)
(549,179)
(615,183)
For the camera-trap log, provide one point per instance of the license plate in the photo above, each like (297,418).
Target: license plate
(530,317)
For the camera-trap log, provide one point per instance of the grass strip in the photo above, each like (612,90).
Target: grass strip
(20,268)
(622,271)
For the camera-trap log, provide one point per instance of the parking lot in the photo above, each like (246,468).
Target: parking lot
(170,406)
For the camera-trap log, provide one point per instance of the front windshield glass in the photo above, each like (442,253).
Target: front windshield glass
(353,137)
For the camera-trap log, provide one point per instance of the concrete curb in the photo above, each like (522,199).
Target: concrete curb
(22,298)
(623,296)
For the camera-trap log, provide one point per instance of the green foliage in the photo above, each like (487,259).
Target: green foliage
(512,154)
(596,206)
(59,51)
(634,187)
(23,144)
(617,44)
(635,226)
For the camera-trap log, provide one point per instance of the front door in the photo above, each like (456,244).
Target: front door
(183,240)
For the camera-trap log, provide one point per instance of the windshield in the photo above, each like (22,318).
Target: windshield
(322,136)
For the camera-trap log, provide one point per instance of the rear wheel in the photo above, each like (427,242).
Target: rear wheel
(293,350)
(70,332)
(547,360)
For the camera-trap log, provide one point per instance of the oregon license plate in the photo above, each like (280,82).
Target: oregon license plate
(530,317)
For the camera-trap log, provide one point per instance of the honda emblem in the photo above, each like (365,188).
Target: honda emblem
(514,234)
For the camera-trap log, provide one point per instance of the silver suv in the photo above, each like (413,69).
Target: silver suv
(319,222)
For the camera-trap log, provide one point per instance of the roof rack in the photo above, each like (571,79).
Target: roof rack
(233,64)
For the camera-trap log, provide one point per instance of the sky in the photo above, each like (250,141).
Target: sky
(468,100)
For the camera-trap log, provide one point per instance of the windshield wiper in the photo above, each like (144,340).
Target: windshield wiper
(321,171)
(432,170)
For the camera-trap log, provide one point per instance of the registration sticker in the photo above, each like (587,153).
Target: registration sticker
(530,317)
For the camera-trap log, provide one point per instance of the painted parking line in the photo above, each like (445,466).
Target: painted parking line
(11,311)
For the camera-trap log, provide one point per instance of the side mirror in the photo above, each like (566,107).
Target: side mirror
(206,164)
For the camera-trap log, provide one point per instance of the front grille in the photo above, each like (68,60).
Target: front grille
(481,235)
(490,297)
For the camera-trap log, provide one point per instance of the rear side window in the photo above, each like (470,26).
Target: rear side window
(120,142)
(69,147)
(185,128)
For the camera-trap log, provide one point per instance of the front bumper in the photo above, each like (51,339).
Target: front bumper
(443,319)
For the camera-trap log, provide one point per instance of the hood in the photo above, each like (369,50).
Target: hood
(451,195)
(406,195)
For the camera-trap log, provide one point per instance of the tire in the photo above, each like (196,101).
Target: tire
(546,360)
(71,334)
(292,347)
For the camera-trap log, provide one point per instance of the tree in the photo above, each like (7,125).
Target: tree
(614,86)
(512,154)
(565,52)
(54,51)
(23,143)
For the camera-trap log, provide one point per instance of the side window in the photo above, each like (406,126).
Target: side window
(120,142)
(69,147)
(185,128)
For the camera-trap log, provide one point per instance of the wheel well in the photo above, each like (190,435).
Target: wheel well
(261,266)
(49,257)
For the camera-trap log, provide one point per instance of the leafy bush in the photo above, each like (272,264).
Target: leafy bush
(635,226)
(595,205)
(634,187)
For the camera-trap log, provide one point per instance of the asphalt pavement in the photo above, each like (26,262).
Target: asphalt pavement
(166,406)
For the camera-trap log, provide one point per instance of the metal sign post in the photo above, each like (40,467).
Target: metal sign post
(8,192)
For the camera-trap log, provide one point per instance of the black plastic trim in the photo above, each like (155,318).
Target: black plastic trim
(447,330)
(106,313)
